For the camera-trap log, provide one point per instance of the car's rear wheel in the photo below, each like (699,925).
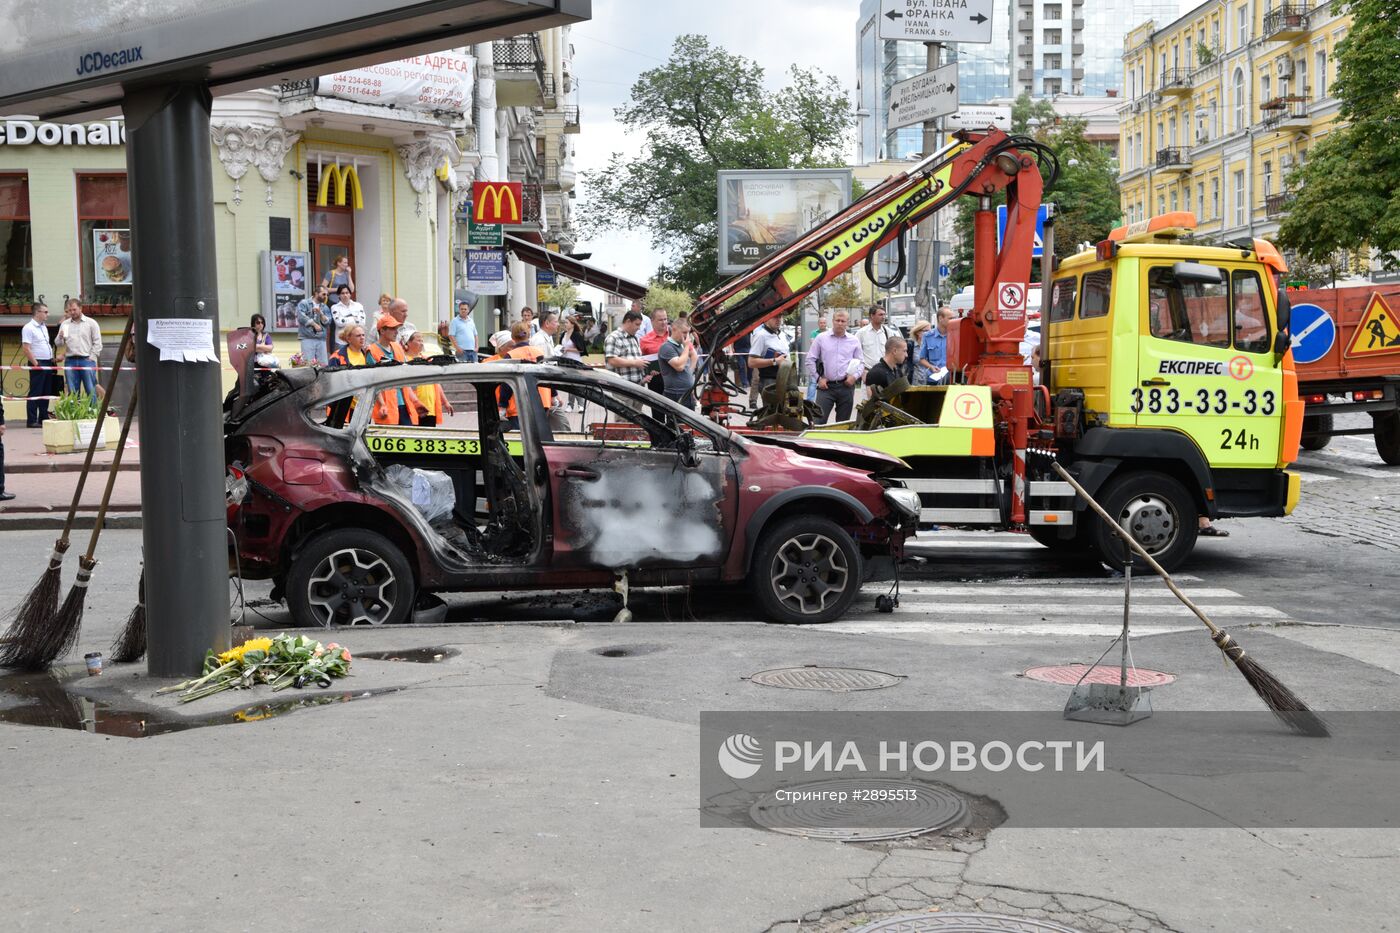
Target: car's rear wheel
(807,570)
(349,576)
(1156,510)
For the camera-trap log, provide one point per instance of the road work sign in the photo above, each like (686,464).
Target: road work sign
(936,20)
(1378,332)
(924,97)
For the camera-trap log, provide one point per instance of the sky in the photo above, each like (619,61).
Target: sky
(626,37)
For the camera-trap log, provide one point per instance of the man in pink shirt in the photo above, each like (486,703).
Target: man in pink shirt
(835,364)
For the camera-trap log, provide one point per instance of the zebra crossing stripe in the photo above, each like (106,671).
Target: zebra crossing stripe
(943,608)
(1142,590)
(882,626)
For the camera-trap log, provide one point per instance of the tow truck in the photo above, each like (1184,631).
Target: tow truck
(1165,385)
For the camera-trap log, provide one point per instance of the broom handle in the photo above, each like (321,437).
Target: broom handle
(111,480)
(97,429)
(1137,548)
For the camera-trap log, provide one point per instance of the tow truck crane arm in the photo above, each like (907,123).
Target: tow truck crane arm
(978,164)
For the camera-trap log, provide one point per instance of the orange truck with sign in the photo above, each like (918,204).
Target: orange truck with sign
(1347,344)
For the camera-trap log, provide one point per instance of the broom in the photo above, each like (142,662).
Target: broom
(1281,701)
(131,643)
(61,634)
(25,643)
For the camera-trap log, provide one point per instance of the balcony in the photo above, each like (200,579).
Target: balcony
(1292,116)
(1286,97)
(571,119)
(296,90)
(1289,21)
(1173,159)
(1077,74)
(1028,4)
(1026,25)
(557,175)
(1176,82)
(531,204)
(1025,74)
(1276,205)
(521,80)
(1078,24)
(1078,48)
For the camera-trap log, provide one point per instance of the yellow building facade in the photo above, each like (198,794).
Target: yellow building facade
(1221,105)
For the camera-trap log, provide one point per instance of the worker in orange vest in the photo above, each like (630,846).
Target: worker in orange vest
(400,405)
(519,348)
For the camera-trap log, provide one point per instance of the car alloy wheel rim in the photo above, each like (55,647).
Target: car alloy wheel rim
(1151,521)
(809,573)
(352,587)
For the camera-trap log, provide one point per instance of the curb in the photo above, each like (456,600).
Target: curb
(65,467)
(30,521)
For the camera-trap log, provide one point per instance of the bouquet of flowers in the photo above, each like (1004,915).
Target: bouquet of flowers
(282,662)
(296,360)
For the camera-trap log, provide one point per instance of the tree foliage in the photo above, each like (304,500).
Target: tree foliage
(1347,194)
(1086,193)
(704,110)
(842,293)
(674,300)
(562,294)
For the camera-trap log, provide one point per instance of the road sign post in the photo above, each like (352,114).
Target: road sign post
(936,21)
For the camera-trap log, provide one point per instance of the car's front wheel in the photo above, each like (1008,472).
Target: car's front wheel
(349,576)
(806,570)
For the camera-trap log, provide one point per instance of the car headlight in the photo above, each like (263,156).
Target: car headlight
(905,500)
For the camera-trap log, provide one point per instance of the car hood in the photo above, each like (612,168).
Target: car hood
(850,455)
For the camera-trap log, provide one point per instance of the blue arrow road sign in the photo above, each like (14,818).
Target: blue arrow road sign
(1039,229)
(1313,332)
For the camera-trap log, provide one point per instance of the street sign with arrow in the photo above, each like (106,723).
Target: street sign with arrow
(936,20)
(925,96)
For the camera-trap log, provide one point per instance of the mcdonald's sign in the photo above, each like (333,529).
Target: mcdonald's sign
(496,202)
(342,184)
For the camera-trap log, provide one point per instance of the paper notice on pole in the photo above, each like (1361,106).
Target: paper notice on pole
(182,339)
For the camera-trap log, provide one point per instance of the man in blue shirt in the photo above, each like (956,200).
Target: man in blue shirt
(462,330)
(933,351)
(313,317)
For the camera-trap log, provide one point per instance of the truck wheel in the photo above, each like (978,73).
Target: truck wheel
(1158,512)
(1387,424)
(1077,546)
(1317,431)
(806,570)
(350,576)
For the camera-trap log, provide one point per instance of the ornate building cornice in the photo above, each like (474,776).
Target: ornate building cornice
(242,145)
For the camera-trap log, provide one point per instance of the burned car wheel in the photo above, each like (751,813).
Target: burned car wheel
(349,576)
(807,570)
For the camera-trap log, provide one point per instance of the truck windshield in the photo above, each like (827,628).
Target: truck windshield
(1192,312)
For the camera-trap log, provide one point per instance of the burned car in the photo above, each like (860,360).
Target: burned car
(352,519)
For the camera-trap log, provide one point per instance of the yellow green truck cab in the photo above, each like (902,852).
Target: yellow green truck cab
(1167,391)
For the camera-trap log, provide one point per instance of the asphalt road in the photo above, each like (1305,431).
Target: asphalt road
(544,776)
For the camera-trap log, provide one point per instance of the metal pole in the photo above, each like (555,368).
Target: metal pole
(928,230)
(182,451)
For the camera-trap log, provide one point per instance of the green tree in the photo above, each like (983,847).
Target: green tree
(704,110)
(1347,194)
(842,293)
(562,294)
(674,300)
(1086,193)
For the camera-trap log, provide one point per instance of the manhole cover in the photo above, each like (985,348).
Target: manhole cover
(901,809)
(1069,675)
(963,923)
(415,655)
(833,679)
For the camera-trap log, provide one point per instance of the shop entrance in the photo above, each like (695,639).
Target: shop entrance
(332,229)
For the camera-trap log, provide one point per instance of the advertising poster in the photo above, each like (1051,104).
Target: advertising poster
(284,286)
(486,271)
(441,81)
(111,256)
(763,211)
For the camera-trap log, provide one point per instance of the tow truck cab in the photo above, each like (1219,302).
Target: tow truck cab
(1179,358)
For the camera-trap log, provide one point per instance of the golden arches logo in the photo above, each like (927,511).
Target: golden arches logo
(345,182)
(496,202)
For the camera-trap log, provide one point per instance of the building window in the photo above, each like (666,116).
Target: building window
(1201,200)
(1171,124)
(1052,63)
(16,245)
(1174,201)
(1239,100)
(1320,62)
(1161,136)
(1240,218)
(1161,205)
(1264,88)
(1301,70)
(1268,177)
(1214,198)
(1052,13)
(1052,37)
(1242,21)
(1215,33)
(104,232)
